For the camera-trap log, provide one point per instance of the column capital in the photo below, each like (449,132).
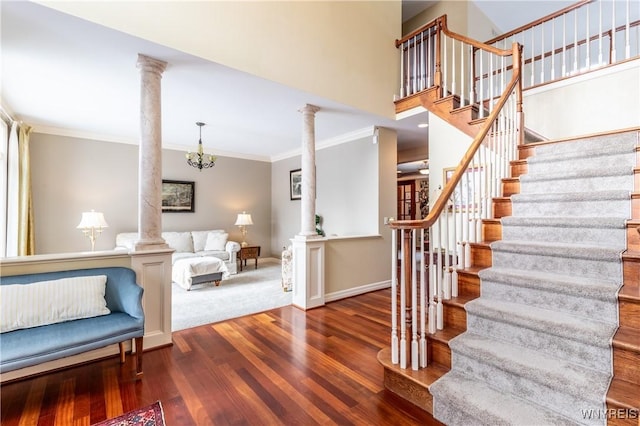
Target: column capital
(310,109)
(147,63)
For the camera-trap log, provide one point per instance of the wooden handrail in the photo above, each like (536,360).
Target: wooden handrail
(539,21)
(450,186)
(476,44)
(416,32)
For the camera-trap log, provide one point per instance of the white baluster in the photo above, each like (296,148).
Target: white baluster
(564,45)
(414,303)
(445,79)
(402,89)
(600,33)
(447,273)
(481,96)
(403,304)
(533,56)
(439,307)
(472,82)
(429,70)
(423,298)
(422,70)
(456,265)
(490,82)
(575,41)
(432,284)
(462,74)
(542,54)
(614,56)
(553,49)
(394,297)
(453,66)
(627,44)
(588,42)
(415,64)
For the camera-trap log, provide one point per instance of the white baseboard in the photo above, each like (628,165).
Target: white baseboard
(343,294)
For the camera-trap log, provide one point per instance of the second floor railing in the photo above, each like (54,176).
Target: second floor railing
(588,35)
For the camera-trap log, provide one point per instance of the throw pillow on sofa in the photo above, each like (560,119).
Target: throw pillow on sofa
(49,302)
(179,241)
(216,241)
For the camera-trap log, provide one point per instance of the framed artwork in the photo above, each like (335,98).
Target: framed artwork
(178,196)
(295,184)
(466,189)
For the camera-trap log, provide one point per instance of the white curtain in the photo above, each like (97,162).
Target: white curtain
(4,152)
(11,204)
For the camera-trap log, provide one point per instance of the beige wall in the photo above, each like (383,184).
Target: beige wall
(335,49)
(72,175)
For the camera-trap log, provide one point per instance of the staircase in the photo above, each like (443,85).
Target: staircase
(537,344)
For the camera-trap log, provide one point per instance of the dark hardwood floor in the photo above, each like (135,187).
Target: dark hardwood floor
(281,367)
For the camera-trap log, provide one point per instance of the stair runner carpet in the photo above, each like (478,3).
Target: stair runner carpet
(537,349)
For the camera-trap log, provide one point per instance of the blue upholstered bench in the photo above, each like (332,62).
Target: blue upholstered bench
(123,318)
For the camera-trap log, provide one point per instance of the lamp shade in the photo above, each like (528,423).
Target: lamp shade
(92,219)
(244,219)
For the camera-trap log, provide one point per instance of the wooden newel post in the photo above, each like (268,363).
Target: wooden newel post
(438,74)
(517,67)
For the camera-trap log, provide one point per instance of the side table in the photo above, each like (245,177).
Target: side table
(248,252)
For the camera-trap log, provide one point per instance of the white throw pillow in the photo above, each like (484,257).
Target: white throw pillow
(216,241)
(49,302)
(179,241)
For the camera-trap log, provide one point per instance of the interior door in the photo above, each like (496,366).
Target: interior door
(406,200)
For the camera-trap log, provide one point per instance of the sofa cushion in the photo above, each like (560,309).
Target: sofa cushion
(220,254)
(200,238)
(179,241)
(216,241)
(49,302)
(126,240)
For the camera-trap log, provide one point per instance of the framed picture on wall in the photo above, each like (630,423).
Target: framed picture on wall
(295,184)
(178,196)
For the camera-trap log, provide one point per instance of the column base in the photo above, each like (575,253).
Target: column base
(308,271)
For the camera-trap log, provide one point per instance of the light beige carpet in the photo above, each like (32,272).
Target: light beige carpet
(248,292)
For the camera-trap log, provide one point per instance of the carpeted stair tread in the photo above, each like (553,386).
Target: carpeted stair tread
(563,175)
(531,365)
(572,251)
(620,140)
(564,284)
(562,324)
(606,195)
(566,222)
(600,150)
(472,402)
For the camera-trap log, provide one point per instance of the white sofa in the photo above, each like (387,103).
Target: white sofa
(187,244)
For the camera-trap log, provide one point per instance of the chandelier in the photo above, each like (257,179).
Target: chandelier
(199,159)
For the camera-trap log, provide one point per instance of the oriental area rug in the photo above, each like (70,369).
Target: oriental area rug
(151,415)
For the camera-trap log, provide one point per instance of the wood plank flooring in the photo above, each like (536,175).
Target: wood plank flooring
(281,367)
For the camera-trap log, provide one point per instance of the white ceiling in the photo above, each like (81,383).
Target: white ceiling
(67,76)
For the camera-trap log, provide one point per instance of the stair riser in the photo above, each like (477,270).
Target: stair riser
(480,256)
(408,389)
(468,285)
(567,208)
(602,237)
(591,184)
(594,357)
(518,385)
(491,231)
(455,316)
(575,304)
(633,238)
(626,365)
(503,207)
(567,266)
(510,187)
(629,313)
(629,420)
(438,352)
(518,169)
(631,271)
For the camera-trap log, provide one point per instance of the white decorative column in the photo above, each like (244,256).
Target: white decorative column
(151,258)
(308,246)
(150,155)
